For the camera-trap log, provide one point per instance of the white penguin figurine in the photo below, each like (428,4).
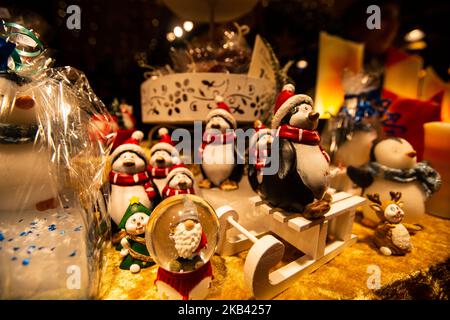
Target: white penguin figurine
(259,154)
(220,160)
(163,156)
(393,166)
(302,180)
(129,178)
(25,161)
(180,180)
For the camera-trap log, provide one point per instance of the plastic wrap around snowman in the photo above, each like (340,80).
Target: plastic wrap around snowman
(181,236)
(51,170)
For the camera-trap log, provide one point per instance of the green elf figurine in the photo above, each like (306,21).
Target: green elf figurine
(134,251)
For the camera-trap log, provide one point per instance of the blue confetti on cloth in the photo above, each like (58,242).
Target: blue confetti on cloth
(2,237)
(23,233)
(26,262)
(52,227)
(73,254)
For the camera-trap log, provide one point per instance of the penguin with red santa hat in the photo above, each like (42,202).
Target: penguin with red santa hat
(259,154)
(163,156)
(222,165)
(129,178)
(180,180)
(301,182)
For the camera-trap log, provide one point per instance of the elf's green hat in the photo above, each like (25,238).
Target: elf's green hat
(134,207)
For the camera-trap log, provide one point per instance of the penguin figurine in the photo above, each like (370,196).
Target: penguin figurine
(180,180)
(129,178)
(393,166)
(25,161)
(221,164)
(163,155)
(259,154)
(302,180)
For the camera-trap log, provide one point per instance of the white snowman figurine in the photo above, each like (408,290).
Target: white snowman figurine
(25,161)
(129,178)
(393,166)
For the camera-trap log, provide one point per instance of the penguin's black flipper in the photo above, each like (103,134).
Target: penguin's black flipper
(236,174)
(287,158)
(360,176)
(252,172)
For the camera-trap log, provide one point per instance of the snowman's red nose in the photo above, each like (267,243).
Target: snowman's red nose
(313,116)
(411,154)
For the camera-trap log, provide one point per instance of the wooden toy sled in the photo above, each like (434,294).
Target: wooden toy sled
(319,241)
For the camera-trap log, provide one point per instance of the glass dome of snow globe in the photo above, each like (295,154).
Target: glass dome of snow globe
(182,233)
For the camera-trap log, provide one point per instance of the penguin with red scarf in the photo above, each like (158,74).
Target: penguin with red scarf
(301,183)
(259,154)
(129,178)
(163,156)
(221,164)
(180,180)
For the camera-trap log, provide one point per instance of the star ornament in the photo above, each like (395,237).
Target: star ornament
(134,200)
(6,49)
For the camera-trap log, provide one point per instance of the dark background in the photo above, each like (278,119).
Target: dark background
(114,32)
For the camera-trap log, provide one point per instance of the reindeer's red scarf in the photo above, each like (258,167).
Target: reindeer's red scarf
(303,136)
(126,180)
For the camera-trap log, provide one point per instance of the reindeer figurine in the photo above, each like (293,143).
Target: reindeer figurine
(391,236)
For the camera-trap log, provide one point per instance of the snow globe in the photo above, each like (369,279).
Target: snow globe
(182,236)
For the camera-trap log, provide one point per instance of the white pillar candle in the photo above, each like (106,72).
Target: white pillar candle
(437,152)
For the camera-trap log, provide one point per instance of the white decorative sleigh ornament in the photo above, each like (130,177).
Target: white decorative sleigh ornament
(319,240)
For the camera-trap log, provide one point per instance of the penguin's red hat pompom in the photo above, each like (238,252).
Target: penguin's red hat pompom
(132,145)
(165,143)
(285,101)
(222,110)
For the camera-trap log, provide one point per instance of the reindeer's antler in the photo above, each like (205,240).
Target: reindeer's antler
(395,196)
(375,198)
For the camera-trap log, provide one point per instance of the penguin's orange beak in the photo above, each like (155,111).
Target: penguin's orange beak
(411,154)
(313,116)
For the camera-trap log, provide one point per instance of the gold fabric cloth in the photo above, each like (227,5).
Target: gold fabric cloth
(424,273)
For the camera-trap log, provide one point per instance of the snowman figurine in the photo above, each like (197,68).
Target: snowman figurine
(259,154)
(180,180)
(219,157)
(129,178)
(301,182)
(393,166)
(163,156)
(25,161)
(391,236)
(134,250)
(189,275)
